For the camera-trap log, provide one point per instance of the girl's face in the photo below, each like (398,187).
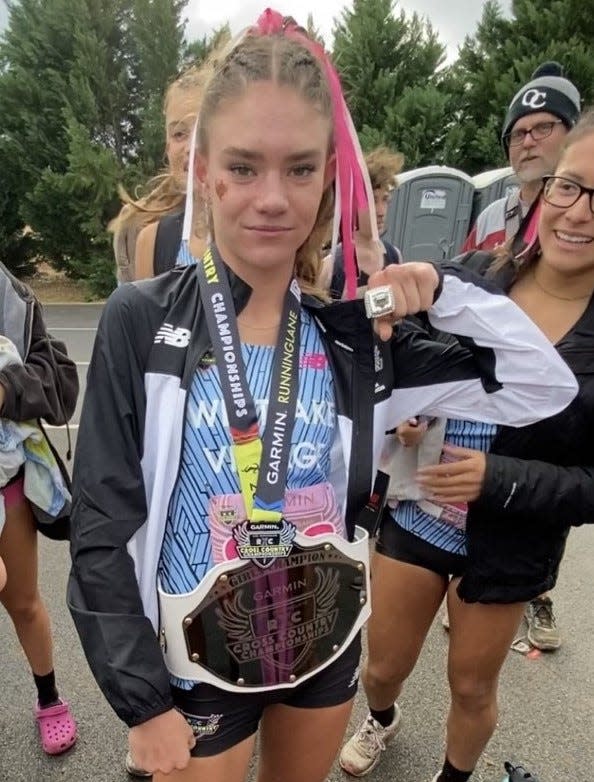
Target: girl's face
(567,233)
(264,174)
(182,105)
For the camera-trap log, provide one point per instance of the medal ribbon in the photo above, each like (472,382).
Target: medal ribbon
(266,459)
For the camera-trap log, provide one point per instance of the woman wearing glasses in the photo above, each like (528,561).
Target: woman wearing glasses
(523,488)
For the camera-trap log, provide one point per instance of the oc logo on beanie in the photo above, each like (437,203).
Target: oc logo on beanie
(534,99)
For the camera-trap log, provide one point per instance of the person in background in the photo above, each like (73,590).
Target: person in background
(490,531)
(136,228)
(383,166)
(37,380)
(538,119)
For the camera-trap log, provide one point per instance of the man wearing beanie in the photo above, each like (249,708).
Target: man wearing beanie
(537,121)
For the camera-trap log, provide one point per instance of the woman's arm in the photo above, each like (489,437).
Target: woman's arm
(533,488)
(109,507)
(45,385)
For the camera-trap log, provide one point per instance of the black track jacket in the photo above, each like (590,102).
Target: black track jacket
(150,340)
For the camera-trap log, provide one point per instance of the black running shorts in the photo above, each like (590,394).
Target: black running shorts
(396,542)
(221,720)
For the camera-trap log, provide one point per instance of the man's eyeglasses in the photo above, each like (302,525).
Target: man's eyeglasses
(538,132)
(563,193)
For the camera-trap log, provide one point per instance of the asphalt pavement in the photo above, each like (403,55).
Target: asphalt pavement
(546,701)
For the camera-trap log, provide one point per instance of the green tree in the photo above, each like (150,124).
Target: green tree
(501,56)
(199,50)
(17,246)
(81,90)
(391,69)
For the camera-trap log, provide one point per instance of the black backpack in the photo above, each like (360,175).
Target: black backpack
(167,242)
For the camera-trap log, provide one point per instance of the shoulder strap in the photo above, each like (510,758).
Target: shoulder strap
(513,214)
(338,279)
(391,253)
(167,242)
(476,260)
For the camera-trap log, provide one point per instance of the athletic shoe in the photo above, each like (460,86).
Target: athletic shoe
(134,771)
(362,752)
(543,632)
(436,777)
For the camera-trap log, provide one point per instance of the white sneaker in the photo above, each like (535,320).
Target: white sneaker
(362,752)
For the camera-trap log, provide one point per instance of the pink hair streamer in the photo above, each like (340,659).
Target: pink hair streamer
(353,187)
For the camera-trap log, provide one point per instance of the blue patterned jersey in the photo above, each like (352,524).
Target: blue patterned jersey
(207,484)
(448,531)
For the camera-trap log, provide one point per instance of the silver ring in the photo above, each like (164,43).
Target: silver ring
(379,301)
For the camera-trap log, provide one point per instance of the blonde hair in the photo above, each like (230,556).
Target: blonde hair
(383,166)
(283,61)
(164,194)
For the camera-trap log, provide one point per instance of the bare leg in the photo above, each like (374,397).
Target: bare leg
(480,636)
(405,599)
(20,597)
(228,766)
(300,744)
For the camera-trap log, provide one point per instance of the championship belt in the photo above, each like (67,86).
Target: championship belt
(253,628)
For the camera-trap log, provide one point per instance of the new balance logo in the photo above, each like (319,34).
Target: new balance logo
(174,337)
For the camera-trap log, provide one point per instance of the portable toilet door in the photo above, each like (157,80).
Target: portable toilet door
(429,213)
(491,186)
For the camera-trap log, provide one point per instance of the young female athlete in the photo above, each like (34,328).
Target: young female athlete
(231,430)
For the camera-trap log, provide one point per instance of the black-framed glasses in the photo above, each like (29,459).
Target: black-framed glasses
(563,193)
(537,132)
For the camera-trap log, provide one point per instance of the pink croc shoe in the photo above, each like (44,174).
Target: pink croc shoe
(57,728)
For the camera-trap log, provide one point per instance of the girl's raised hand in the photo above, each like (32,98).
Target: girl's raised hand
(412,286)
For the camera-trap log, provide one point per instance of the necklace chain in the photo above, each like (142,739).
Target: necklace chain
(556,295)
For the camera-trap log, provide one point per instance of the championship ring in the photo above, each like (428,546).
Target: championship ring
(379,301)
(249,629)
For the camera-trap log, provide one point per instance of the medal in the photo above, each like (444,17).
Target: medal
(262,463)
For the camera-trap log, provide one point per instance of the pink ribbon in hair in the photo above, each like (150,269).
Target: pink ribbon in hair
(350,179)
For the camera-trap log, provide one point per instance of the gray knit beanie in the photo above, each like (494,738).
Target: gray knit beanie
(548,90)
